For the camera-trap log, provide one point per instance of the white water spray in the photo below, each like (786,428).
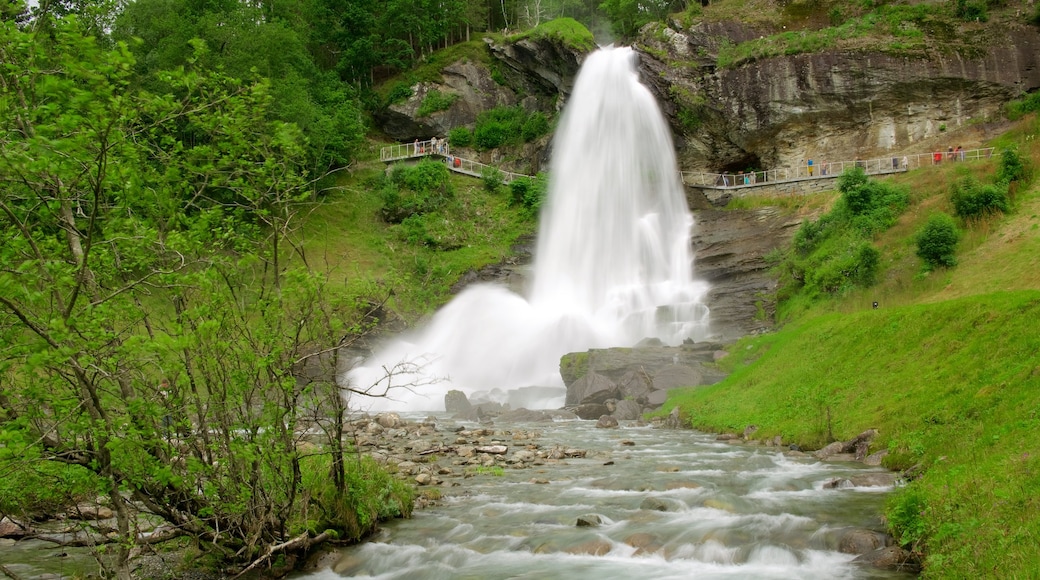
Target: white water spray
(612,264)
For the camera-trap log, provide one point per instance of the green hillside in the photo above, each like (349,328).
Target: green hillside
(947,369)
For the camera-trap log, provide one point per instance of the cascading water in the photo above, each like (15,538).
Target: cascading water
(612,264)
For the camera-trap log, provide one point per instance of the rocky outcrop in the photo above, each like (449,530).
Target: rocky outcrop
(539,75)
(456,402)
(844,102)
(730,250)
(617,381)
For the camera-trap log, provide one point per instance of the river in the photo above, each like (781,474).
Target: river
(672,504)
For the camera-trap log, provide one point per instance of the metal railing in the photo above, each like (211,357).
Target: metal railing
(442,149)
(832,169)
(818,170)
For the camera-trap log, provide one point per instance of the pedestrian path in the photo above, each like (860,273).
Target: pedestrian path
(440,149)
(815,169)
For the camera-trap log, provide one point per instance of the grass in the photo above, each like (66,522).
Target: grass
(569,31)
(346,237)
(947,369)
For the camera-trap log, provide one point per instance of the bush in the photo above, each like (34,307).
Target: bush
(535,126)
(873,205)
(399,93)
(493,178)
(528,192)
(972,199)
(435,101)
(974,11)
(508,126)
(1012,167)
(460,137)
(410,191)
(937,241)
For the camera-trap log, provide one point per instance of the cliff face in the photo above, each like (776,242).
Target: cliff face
(843,104)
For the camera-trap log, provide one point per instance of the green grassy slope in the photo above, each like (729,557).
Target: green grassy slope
(948,370)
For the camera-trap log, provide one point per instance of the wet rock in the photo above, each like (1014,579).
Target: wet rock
(590,412)
(890,558)
(857,541)
(727,437)
(644,543)
(658,504)
(456,402)
(682,485)
(10,529)
(749,431)
(591,548)
(674,420)
(540,481)
(90,512)
(607,422)
(589,521)
(628,442)
(423,479)
(875,459)
(525,416)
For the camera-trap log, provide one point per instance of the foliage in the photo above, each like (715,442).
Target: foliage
(492,178)
(628,16)
(153,314)
(1020,107)
(460,137)
(415,190)
(569,32)
(971,10)
(508,126)
(530,193)
(834,253)
(972,199)
(1012,167)
(435,101)
(937,241)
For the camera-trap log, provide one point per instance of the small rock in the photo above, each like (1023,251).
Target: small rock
(423,479)
(589,521)
(607,422)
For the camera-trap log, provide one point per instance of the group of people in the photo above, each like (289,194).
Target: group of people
(951,155)
(436,146)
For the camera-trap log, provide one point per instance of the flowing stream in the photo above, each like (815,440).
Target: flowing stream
(731,511)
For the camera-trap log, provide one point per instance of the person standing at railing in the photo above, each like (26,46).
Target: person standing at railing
(809,166)
(937,158)
(906,163)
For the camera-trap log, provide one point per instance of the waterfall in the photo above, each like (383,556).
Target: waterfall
(612,262)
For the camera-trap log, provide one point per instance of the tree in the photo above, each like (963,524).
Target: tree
(156,311)
(937,241)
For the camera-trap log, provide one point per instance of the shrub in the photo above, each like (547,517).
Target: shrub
(974,11)
(493,178)
(399,93)
(535,126)
(435,101)
(460,137)
(528,192)
(1012,167)
(937,241)
(410,191)
(972,199)
(873,205)
(491,135)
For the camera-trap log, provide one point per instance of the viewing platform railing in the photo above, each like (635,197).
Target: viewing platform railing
(442,149)
(831,169)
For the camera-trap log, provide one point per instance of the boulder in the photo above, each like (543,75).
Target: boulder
(890,558)
(389,420)
(589,521)
(858,541)
(673,421)
(591,388)
(590,412)
(627,410)
(456,402)
(634,385)
(607,422)
(658,504)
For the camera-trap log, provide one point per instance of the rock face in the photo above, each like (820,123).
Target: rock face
(843,103)
(539,73)
(730,249)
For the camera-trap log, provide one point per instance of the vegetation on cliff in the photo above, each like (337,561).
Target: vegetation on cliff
(946,368)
